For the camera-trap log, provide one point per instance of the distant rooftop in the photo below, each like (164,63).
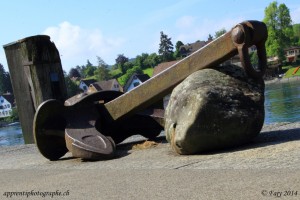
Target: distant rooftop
(162,66)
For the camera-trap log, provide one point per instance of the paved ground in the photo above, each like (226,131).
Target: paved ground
(267,168)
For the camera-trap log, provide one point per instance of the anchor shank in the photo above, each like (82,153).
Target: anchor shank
(162,84)
(242,36)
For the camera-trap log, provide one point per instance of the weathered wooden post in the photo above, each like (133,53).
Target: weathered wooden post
(36,75)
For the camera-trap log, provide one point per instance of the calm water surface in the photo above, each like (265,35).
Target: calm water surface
(282,104)
(11,135)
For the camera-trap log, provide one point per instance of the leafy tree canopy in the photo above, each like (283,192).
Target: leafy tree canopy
(89,71)
(140,60)
(280,31)
(102,74)
(129,73)
(72,88)
(165,47)
(74,73)
(219,32)
(120,61)
(101,62)
(5,83)
(88,64)
(178,45)
(296,39)
(178,53)
(210,37)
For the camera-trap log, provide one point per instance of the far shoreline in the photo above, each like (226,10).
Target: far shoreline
(5,124)
(282,80)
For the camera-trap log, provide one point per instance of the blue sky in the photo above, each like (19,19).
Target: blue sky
(83,30)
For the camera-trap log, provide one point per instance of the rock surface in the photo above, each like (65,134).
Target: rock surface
(213,109)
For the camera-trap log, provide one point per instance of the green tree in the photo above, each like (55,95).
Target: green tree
(280,31)
(177,53)
(5,83)
(210,38)
(102,72)
(8,83)
(74,73)
(72,88)
(220,32)
(135,69)
(80,69)
(128,65)
(88,64)
(89,71)
(165,47)
(120,61)
(101,62)
(153,59)
(296,38)
(141,61)
(178,45)
(129,73)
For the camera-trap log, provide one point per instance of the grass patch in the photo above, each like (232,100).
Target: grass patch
(115,73)
(287,67)
(90,77)
(148,71)
(290,72)
(121,80)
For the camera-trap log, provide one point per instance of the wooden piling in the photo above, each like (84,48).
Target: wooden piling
(36,75)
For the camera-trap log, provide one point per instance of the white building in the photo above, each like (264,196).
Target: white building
(84,84)
(134,81)
(5,107)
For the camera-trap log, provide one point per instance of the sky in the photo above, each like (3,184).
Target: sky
(85,29)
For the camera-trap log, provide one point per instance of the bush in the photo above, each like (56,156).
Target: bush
(72,87)
(115,73)
(14,116)
(123,79)
(148,71)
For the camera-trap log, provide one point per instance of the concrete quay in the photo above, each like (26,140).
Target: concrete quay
(266,168)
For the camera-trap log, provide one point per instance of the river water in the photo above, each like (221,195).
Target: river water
(11,135)
(282,104)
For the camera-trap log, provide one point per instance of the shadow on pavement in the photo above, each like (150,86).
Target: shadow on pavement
(264,139)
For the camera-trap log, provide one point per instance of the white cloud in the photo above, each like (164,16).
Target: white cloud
(185,22)
(75,43)
(199,30)
(295,15)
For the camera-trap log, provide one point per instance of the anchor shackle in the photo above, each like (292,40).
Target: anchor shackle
(245,35)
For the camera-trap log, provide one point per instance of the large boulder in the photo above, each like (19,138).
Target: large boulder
(213,109)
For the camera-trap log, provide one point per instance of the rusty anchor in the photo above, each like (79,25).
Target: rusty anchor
(91,125)
(76,126)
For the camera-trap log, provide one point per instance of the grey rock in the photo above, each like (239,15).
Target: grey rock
(214,109)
